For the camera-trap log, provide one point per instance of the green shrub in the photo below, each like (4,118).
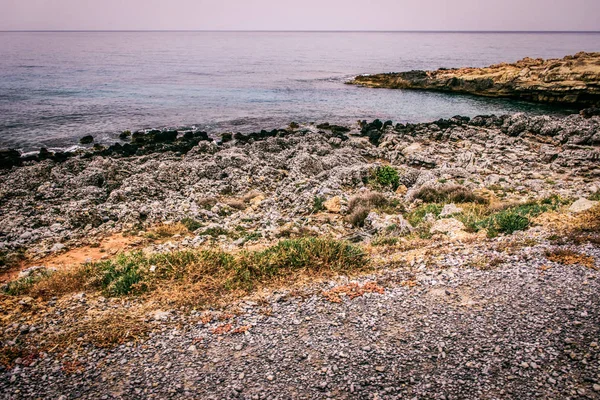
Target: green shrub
(417,216)
(595,196)
(387,176)
(318,204)
(191,224)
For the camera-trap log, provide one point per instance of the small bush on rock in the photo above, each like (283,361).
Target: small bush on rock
(387,176)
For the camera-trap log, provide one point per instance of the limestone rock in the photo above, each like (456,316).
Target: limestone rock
(449,226)
(388,223)
(450,209)
(570,80)
(333,205)
(582,205)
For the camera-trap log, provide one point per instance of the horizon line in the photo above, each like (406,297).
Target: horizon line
(295,30)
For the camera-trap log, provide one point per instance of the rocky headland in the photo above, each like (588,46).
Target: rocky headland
(451,259)
(573,80)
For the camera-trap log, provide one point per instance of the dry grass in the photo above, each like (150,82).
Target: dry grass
(352,291)
(169,230)
(103,329)
(570,257)
(360,206)
(197,278)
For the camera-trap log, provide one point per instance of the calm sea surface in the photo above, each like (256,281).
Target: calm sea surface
(58,86)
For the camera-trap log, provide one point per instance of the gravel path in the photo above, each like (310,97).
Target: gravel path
(516,331)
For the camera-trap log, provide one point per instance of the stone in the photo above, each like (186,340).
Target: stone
(449,226)
(387,223)
(450,209)
(333,205)
(582,205)
(86,139)
(401,190)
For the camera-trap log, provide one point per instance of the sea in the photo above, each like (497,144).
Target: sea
(56,87)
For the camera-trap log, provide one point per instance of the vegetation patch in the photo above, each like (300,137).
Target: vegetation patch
(318,204)
(448,194)
(201,277)
(387,176)
(191,224)
(360,206)
(570,257)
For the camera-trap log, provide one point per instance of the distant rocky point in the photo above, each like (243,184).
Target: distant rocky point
(573,80)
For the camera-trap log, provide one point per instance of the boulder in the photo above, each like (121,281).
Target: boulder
(582,205)
(333,205)
(86,139)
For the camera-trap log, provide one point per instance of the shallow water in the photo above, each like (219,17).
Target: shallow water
(58,86)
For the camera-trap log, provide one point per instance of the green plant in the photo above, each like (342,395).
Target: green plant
(417,216)
(385,241)
(595,196)
(214,231)
(191,224)
(318,204)
(387,176)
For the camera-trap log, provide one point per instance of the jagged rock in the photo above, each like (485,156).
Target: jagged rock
(571,80)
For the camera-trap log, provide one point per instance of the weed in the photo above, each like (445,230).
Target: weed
(595,196)
(418,215)
(360,206)
(385,241)
(191,224)
(318,204)
(24,284)
(198,277)
(214,231)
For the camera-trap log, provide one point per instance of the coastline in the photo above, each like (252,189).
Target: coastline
(572,80)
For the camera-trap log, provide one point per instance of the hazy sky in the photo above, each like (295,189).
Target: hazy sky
(301,14)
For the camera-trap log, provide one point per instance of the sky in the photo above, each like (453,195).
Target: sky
(462,15)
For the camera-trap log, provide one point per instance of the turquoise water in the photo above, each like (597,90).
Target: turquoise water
(58,86)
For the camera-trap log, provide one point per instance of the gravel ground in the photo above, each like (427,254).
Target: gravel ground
(516,331)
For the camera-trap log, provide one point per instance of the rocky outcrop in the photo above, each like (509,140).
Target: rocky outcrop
(96,192)
(573,80)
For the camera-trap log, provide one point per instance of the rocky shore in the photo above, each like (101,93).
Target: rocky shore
(451,259)
(572,80)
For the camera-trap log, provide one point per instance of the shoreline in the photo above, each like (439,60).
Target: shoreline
(572,80)
(319,262)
